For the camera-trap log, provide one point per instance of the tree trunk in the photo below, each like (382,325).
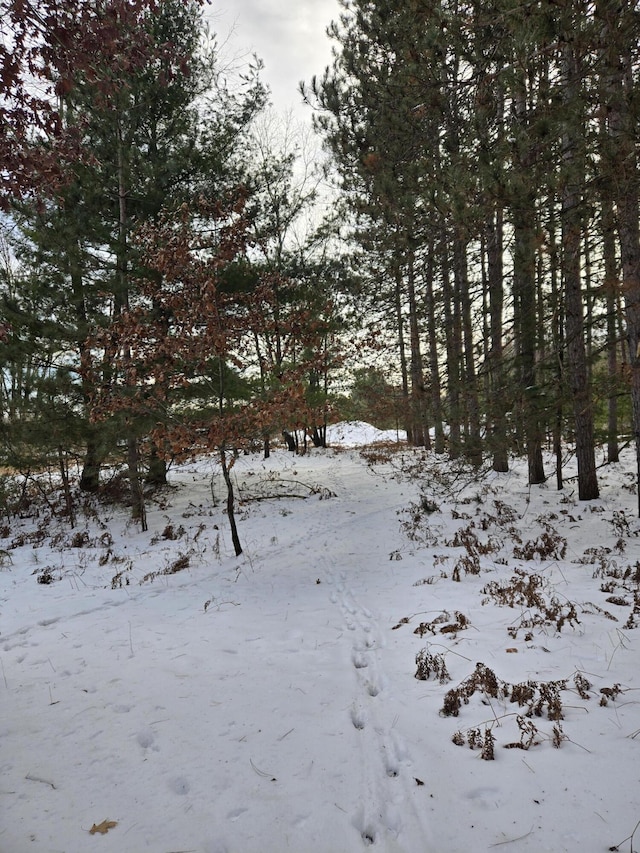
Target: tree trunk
(611,286)
(473,446)
(557,338)
(418,416)
(618,37)
(453,346)
(571,267)
(90,477)
(157,473)
(138,508)
(230,503)
(497,412)
(434,368)
(404,374)
(523,205)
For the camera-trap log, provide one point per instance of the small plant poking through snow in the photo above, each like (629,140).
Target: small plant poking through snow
(525,590)
(443,625)
(429,665)
(475,739)
(178,565)
(548,546)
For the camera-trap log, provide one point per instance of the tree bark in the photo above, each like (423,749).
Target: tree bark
(571,266)
(523,205)
(497,419)
(454,348)
(434,368)
(230,503)
(473,446)
(618,37)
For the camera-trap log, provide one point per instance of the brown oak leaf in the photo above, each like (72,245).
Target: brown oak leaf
(103,827)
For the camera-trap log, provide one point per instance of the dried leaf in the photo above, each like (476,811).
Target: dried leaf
(512,651)
(103,827)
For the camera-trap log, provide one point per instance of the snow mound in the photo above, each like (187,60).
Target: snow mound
(358,433)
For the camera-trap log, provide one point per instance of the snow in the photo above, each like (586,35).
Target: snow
(357,433)
(268,703)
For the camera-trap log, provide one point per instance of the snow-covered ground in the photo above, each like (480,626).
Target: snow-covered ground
(171,697)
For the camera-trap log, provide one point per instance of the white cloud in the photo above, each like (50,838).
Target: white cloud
(290,38)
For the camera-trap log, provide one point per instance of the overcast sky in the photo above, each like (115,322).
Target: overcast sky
(288,35)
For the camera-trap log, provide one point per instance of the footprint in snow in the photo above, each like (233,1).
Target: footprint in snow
(373,688)
(359,660)
(358,718)
(146,739)
(180,786)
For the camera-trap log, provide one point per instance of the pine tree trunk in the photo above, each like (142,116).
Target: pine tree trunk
(418,415)
(138,508)
(434,368)
(611,289)
(557,339)
(90,477)
(473,446)
(404,374)
(571,267)
(618,36)
(157,473)
(523,206)
(453,346)
(497,420)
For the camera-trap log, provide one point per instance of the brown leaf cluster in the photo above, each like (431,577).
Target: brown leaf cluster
(188,319)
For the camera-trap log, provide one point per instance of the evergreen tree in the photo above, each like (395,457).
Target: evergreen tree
(154,133)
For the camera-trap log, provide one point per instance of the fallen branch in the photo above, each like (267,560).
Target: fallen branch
(628,838)
(262,772)
(38,779)
(512,840)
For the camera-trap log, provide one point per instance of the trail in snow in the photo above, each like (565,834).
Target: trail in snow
(388,814)
(265,704)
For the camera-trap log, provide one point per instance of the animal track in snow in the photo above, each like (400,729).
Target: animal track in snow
(373,688)
(359,660)
(388,790)
(147,739)
(180,786)
(358,718)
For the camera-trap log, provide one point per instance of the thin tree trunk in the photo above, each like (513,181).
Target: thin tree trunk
(473,446)
(524,286)
(453,346)
(557,339)
(434,368)
(64,475)
(419,426)
(611,286)
(571,267)
(619,35)
(230,503)
(138,509)
(404,375)
(157,472)
(497,420)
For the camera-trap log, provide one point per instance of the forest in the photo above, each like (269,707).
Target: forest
(174,281)
(401,345)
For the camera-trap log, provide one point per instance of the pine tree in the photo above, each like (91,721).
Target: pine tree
(150,137)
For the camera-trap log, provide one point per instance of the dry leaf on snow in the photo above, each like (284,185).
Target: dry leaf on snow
(103,827)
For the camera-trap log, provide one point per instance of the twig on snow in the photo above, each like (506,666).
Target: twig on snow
(32,778)
(513,840)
